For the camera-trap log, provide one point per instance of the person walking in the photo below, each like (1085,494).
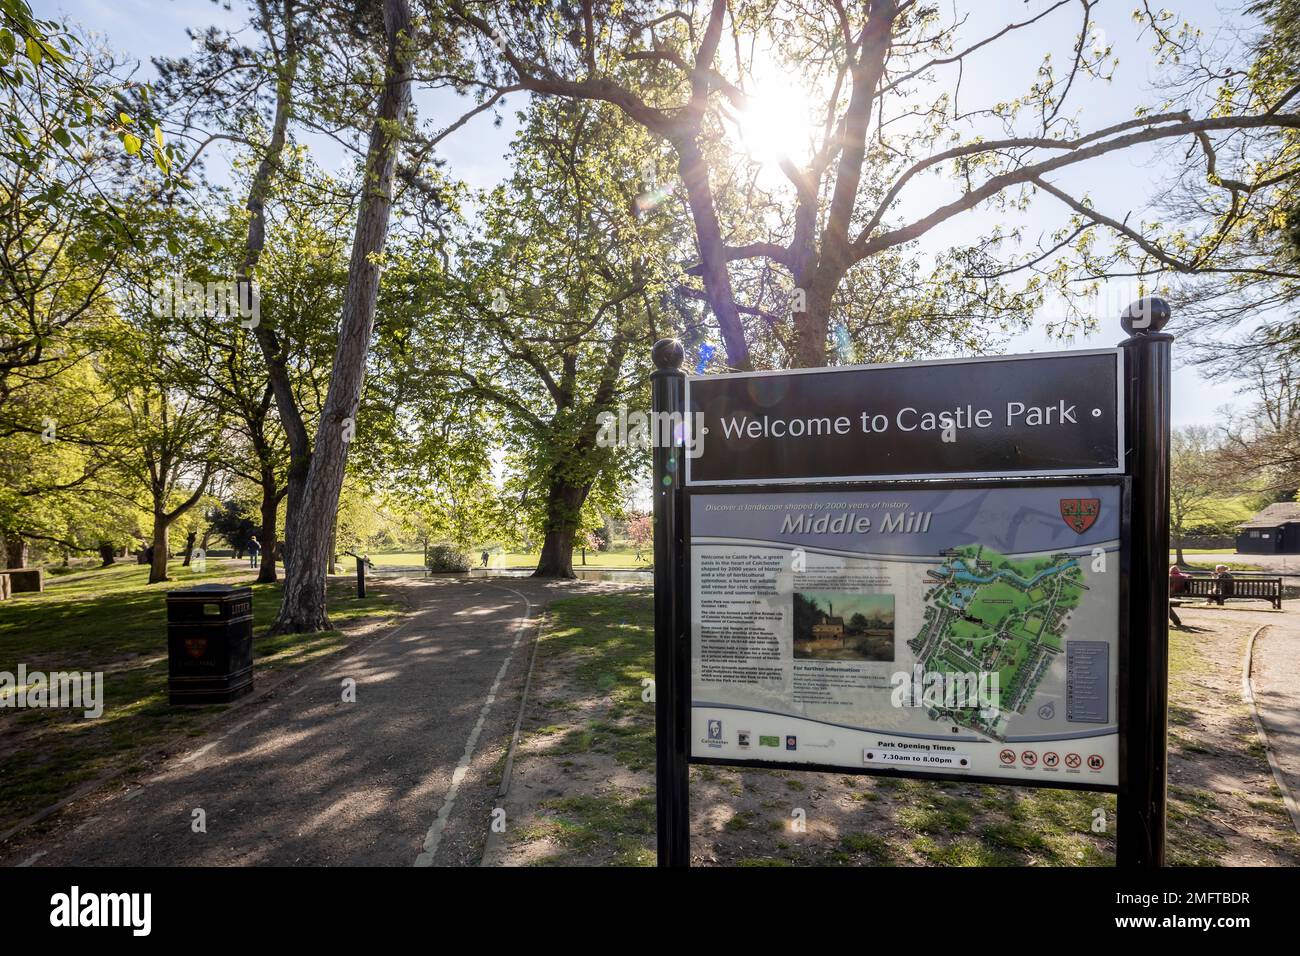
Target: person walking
(485,559)
(254,549)
(1177,585)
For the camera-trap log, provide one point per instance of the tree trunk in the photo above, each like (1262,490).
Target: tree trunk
(270,505)
(158,569)
(189,548)
(694,171)
(812,325)
(15,551)
(563,506)
(556,560)
(277,367)
(107,555)
(302,607)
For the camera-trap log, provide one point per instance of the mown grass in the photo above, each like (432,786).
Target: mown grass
(112,620)
(611,638)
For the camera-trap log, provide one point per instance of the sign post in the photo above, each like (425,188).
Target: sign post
(1140,839)
(948,570)
(672,688)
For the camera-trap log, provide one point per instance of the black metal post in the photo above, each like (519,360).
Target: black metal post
(672,665)
(361,577)
(1140,836)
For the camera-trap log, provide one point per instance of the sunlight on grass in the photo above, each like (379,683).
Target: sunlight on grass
(112,620)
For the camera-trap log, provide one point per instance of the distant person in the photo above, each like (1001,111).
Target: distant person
(1222,583)
(485,559)
(254,549)
(1177,585)
(1177,580)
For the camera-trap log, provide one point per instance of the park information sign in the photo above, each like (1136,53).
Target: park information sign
(952,569)
(958,632)
(1012,416)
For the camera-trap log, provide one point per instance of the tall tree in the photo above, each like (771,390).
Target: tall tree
(878,96)
(544,322)
(303,606)
(1196,480)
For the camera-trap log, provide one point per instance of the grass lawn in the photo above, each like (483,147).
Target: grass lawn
(112,620)
(591,737)
(614,558)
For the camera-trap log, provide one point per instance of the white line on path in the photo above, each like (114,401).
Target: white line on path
(434,836)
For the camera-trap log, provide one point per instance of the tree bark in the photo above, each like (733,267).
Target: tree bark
(811,326)
(273,349)
(562,508)
(158,568)
(189,548)
(270,506)
(107,555)
(694,171)
(15,551)
(303,607)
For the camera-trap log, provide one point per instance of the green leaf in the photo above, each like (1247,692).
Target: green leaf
(132,143)
(158,135)
(62,138)
(124,119)
(34,52)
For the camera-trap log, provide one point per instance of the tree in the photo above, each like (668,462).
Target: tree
(326,68)
(233,521)
(878,90)
(168,444)
(303,607)
(640,531)
(545,320)
(1196,480)
(1264,441)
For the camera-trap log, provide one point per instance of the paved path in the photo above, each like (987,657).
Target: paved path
(1275,674)
(405,775)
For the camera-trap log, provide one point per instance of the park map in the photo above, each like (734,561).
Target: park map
(993,614)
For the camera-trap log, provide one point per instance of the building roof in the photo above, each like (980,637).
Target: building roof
(1274,515)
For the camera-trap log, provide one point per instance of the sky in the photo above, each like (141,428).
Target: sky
(1119,184)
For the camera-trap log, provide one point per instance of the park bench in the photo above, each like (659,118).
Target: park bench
(1246,588)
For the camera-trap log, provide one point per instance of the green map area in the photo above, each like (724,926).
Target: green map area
(992,614)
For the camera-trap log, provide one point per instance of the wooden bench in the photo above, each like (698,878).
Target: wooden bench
(1246,588)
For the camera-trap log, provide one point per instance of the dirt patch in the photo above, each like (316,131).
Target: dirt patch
(583,785)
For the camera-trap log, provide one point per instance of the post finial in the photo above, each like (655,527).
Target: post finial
(668,354)
(1148,314)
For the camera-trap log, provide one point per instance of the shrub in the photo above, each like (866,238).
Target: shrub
(446,557)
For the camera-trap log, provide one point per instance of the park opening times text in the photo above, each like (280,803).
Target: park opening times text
(906,419)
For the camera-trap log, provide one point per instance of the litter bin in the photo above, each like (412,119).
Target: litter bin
(209,643)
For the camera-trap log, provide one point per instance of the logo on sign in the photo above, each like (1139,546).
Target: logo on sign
(1080,513)
(195,646)
(791,742)
(715,730)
